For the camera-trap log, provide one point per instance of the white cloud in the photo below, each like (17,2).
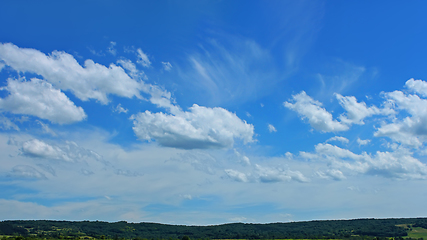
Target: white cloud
(40,149)
(130,67)
(6,124)
(397,164)
(143,58)
(111,48)
(236,175)
(68,152)
(39,98)
(120,109)
(334,174)
(93,81)
(46,128)
(339,139)
(363,142)
(267,174)
(356,111)
(242,158)
(234,71)
(25,171)
(418,86)
(167,66)
(201,161)
(200,127)
(411,130)
(271,128)
(318,117)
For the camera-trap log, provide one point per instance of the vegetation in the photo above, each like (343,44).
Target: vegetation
(358,229)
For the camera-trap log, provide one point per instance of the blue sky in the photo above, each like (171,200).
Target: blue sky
(209,112)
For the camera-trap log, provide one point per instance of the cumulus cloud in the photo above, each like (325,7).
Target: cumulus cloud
(418,86)
(334,174)
(411,130)
(167,66)
(68,152)
(264,174)
(318,117)
(271,128)
(357,111)
(397,164)
(363,142)
(40,149)
(200,127)
(339,139)
(236,175)
(268,174)
(92,81)
(39,98)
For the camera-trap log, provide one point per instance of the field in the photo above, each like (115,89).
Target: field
(418,232)
(414,232)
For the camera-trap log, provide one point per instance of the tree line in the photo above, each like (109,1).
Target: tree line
(328,229)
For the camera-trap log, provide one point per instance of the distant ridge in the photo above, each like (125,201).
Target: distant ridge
(317,229)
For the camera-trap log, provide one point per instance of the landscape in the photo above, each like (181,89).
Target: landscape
(213,119)
(404,228)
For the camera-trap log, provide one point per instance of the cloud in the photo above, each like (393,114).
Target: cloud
(338,138)
(199,160)
(242,158)
(418,86)
(271,128)
(93,81)
(142,58)
(411,130)
(334,174)
(25,171)
(6,124)
(267,174)
(39,98)
(264,174)
(356,111)
(236,175)
(318,117)
(200,127)
(46,128)
(398,164)
(40,149)
(120,109)
(111,48)
(167,66)
(68,152)
(363,142)
(130,67)
(230,70)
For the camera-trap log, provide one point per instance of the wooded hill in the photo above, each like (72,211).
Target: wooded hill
(332,229)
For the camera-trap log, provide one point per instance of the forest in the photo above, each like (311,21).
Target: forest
(326,229)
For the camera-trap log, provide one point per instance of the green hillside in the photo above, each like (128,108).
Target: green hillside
(333,229)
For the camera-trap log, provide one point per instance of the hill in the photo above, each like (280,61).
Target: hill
(330,229)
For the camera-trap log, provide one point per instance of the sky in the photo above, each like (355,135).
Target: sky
(210,112)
